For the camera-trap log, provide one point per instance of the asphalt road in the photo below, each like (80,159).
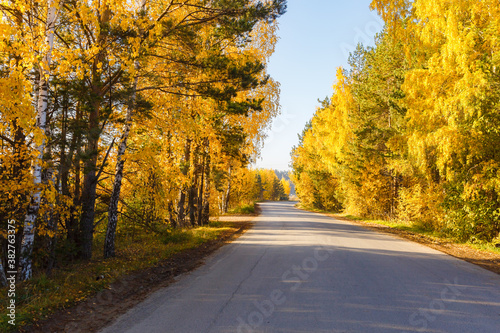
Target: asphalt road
(296,271)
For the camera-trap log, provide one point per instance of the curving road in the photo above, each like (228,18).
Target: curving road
(296,271)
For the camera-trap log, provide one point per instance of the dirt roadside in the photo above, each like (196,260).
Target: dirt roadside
(101,309)
(485,259)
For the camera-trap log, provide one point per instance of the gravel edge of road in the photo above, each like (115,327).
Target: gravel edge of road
(485,259)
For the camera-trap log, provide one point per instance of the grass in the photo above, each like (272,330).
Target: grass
(245,209)
(419,229)
(42,295)
(490,247)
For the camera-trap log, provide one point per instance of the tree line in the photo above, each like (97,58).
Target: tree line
(127,114)
(253,185)
(411,131)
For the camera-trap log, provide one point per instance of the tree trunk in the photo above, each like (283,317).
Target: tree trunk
(88,197)
(92,150)
(72,223)
(180,208)
(206,196)
(192,200)
(29,222)
(109,242)
(193,191)
(172,219)
(88,212)
(199,205)
(225,205)
(182,191)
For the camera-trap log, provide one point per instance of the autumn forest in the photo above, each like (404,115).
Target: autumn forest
(119,115)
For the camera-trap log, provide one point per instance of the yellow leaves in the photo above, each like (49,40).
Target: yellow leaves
(332,125)
(397,16)
(46,232)
(124,24)
(422,204)
(286,186)
(264,38)
(92,35)
(448,96)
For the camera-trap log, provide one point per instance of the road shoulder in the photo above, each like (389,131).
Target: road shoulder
(485,259)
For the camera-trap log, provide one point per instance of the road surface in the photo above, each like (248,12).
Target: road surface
(296,271)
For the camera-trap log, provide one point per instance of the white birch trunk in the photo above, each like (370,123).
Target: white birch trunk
(109,242)
(29,222)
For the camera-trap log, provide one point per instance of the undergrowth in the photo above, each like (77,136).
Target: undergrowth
(245,209)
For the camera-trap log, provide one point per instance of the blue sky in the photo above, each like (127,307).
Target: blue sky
(316,37)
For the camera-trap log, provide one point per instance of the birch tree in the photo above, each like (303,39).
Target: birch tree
(25,261)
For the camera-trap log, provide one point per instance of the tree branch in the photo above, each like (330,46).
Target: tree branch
(104,162)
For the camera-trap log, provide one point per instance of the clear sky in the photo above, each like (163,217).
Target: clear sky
(316,37)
